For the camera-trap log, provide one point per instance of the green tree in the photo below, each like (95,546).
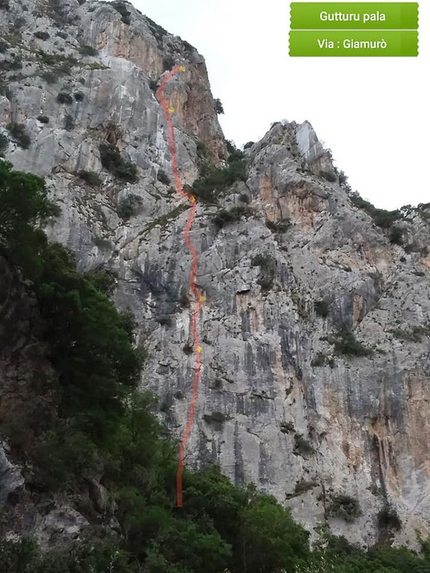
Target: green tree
(23,205)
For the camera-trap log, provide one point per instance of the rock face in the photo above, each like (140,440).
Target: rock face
(315,331)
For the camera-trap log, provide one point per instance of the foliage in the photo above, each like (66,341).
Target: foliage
(320,359)
(233,215)
(389,518)
(102,426)
(17,131)
(248,144)
(64,97)
(219,109)
(129,206)
(112,161)
(344,507)
(396,236)
(79,96)
(24,203)
(168,63)
(163,177)
(69,122)
(381,217)
(41,35)
(3,144)
(346,343)
(328,175)
(279,227)
(90,177)
(321,308)
(59,64)
(43,118)
(267,265)
(156,29)
(86,50)
(4,89)
(213,181)
(302,445)
(122,9)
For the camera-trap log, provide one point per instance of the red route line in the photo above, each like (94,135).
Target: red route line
(197,293)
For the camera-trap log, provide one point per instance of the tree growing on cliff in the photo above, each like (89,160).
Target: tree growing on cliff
(219,108)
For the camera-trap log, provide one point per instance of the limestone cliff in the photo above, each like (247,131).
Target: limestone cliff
(315,379)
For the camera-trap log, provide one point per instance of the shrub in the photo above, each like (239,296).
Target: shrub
(302,446)
(219,109)
(112,161)
(184,299)
(244,198)
(328,175)
(347,344)
(287,427)
(321,308)
(153,84)
(164,320)
(248,144)
(17,131)
(43,118)
(168,63)
(267,266)
(322,360)
(187,349)
(129,206)
(344,507)
(318,360)
(79,96)
(69,122)
(381,217)
(4,89)
(279,227)
(50,77)
(156,29)
(86,50)
(217,417)
(214,181)
(90,177)
(65,98)
(396,236)
(42,35)
(4,46)
(163,177)
(4,4)
(224,217)
(122,9)
(3,144)
(202,149)
(102,243)
(389,518)
(15,64)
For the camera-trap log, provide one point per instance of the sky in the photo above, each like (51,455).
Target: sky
(373,113)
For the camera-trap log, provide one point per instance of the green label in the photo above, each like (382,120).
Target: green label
(353,43)
(354,15)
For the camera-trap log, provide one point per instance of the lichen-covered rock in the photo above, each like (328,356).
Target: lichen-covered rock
(62,524)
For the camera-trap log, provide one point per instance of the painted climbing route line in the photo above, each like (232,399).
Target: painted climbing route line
(168,110)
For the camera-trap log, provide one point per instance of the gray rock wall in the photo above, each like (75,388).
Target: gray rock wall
(277,405)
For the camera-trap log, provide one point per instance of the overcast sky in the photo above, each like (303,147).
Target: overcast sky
(372,112)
